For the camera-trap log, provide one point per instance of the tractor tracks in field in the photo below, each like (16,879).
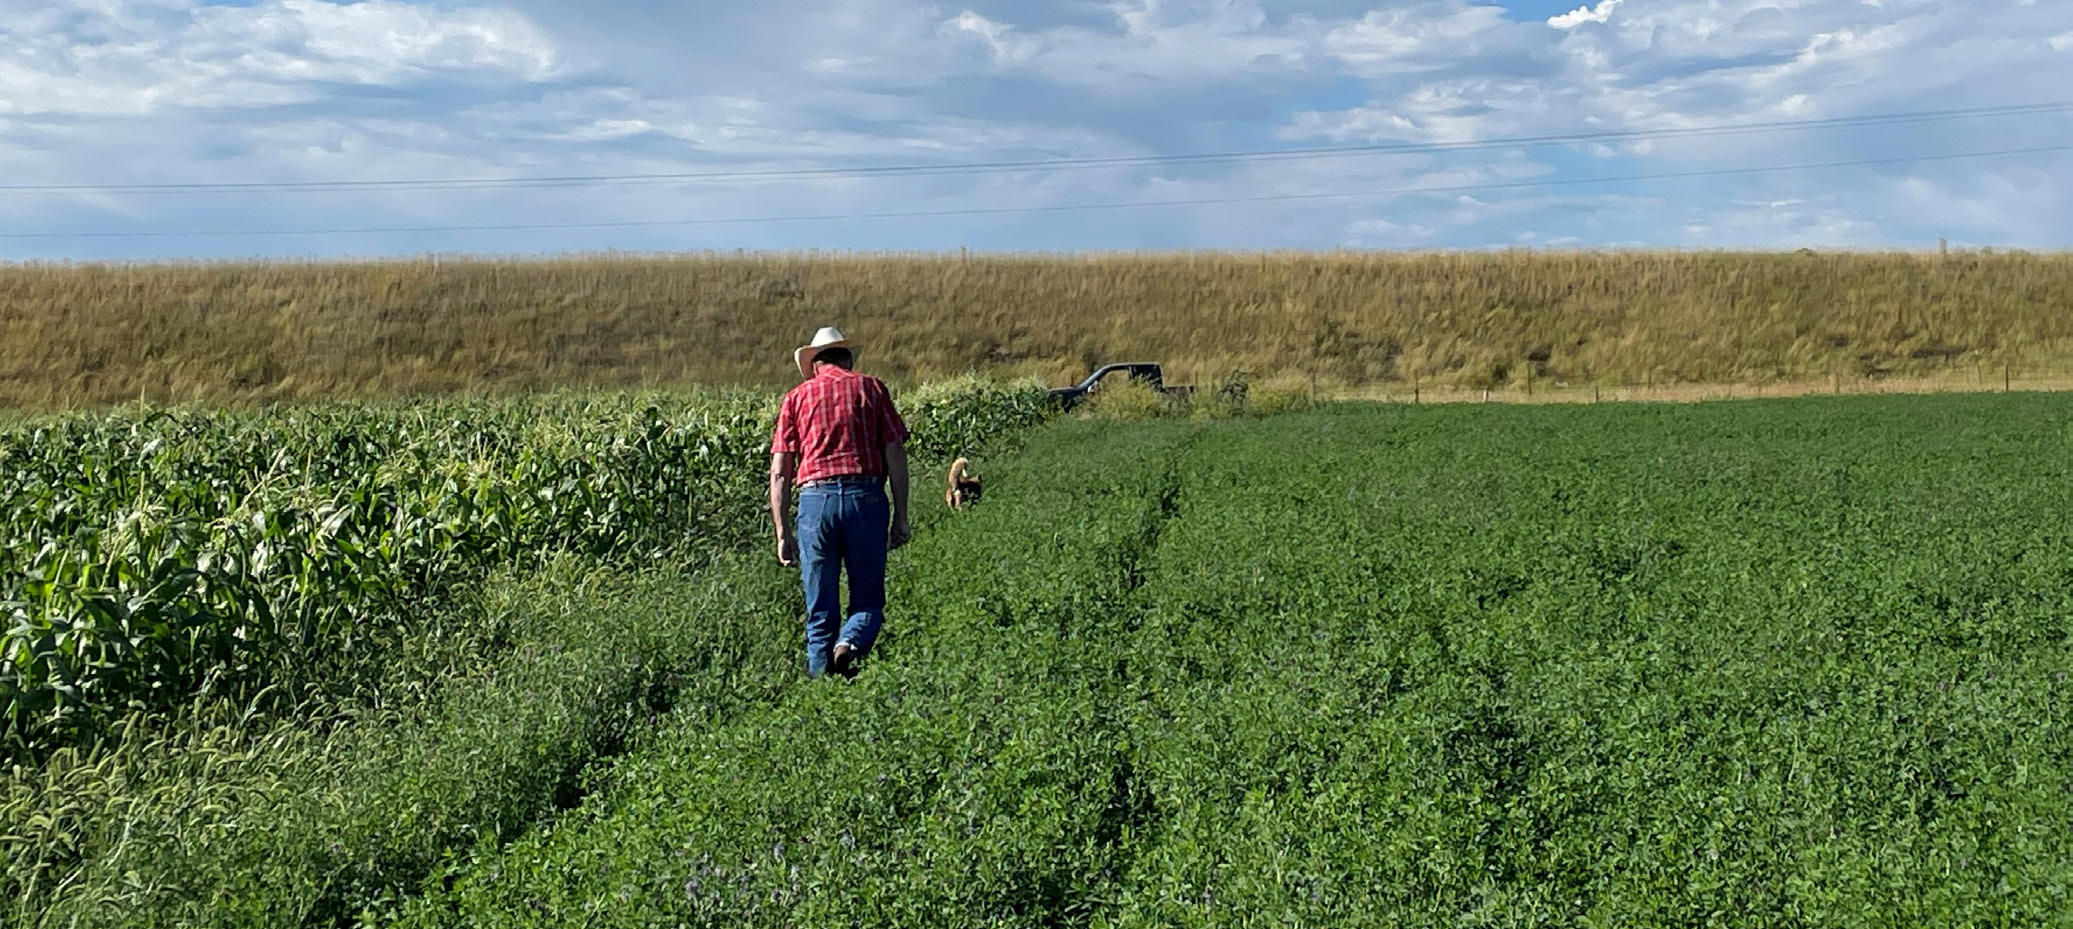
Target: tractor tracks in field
(1097,659)
(1133,814)
(1076,673)
(1162,506)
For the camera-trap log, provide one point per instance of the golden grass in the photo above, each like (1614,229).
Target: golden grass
(1346,322)
(1988,381)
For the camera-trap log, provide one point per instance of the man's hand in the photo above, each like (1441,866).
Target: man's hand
(902,533)
(787,551)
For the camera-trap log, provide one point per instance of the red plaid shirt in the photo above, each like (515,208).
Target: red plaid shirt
(838,422)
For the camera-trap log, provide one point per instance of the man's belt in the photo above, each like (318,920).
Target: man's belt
(839,479)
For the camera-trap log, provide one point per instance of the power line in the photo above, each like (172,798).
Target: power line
(1057,164)
(1050,208)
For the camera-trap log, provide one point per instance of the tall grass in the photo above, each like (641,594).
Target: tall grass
(93,334)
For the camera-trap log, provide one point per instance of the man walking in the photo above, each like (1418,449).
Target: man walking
(840,439)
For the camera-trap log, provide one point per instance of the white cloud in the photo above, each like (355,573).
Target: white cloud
(1693,63)
(183,90)
(1585,14)
(1149,40)
(1373,232)
(988,31)
(1417,38)
(131,57)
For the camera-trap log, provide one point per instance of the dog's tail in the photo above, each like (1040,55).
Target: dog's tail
(952,493)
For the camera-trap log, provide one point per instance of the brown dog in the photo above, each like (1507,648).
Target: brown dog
(963,488)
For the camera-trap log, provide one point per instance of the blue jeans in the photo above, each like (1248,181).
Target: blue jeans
(842,526)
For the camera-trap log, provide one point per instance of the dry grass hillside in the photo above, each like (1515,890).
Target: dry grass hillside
(90,334)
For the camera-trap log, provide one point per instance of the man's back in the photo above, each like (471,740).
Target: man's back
(839,422)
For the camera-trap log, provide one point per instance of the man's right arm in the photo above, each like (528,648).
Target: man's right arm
(783,467)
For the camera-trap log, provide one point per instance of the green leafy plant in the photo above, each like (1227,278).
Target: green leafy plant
(1735,664)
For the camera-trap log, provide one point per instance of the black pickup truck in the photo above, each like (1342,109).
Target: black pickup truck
(1147,372)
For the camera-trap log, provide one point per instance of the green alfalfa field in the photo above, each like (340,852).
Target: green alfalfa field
(1784,662)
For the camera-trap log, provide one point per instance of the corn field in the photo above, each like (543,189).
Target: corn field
(155,554)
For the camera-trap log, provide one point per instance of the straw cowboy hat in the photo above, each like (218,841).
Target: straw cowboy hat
(828,337)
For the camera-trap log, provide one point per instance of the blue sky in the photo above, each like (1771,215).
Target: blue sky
(98,93)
